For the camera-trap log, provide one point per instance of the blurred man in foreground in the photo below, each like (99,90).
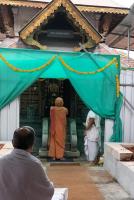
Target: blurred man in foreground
(21,175)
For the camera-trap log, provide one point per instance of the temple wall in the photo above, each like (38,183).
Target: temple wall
(93,18)
(22,16)
(127,114)
(9,120)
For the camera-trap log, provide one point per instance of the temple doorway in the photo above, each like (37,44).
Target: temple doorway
(35,105)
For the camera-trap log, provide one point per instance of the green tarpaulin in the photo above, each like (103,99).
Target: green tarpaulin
(95,78)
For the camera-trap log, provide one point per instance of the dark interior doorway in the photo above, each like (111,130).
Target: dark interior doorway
(35,104)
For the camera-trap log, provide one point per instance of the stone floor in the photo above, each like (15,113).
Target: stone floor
(107,186)
(110,189)
(77,179)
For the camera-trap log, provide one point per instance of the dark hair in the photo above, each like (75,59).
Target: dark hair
(23,137)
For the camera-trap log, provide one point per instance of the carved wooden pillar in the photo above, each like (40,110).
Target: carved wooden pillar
(104,24)
(7,20)
(2,35)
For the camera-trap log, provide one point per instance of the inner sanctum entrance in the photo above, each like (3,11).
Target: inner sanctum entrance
(35,103)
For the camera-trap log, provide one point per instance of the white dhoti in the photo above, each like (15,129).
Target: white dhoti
(91,149)
(91,139)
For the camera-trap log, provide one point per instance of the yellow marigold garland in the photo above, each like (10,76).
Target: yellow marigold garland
(117,86)
(113,61)
(26,70)
(116,63)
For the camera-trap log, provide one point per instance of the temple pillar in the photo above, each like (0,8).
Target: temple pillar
(7,20)
(105,23)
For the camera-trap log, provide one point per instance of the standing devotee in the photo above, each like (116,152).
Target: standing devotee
(92,129)
(58,127)
(21,175)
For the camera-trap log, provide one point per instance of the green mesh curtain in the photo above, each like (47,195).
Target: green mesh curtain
(95,78)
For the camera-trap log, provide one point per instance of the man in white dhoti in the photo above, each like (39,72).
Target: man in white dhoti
(21,175)
(92,128)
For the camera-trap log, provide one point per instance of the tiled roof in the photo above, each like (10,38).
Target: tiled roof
(102,3)
(101,6)
(125,62)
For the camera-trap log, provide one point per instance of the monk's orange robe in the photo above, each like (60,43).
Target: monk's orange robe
(57,131)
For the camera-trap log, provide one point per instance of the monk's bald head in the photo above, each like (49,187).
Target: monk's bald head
(59,102)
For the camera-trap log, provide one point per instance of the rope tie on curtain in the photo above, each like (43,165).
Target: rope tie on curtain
(27,70)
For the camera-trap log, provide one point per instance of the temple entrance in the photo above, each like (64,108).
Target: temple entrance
(35,105)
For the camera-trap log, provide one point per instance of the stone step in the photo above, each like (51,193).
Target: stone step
(64,163)
(68,154)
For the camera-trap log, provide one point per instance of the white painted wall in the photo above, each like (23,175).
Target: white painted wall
(127,114)
(9,120)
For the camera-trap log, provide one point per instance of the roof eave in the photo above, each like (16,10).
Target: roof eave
(90,8)
(50,9)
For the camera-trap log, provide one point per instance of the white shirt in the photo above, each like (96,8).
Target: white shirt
(23,178)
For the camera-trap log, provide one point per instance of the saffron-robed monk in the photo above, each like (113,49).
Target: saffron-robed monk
(58,125)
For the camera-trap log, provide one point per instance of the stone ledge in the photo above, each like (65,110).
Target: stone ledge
(118,151)
(125,176)
(121,170)
(6,149)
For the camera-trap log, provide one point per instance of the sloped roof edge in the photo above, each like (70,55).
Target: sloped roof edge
(50,9)
(87,8)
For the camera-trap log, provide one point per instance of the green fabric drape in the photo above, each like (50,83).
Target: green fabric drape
(97,90)
(12,83)
(117,129)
